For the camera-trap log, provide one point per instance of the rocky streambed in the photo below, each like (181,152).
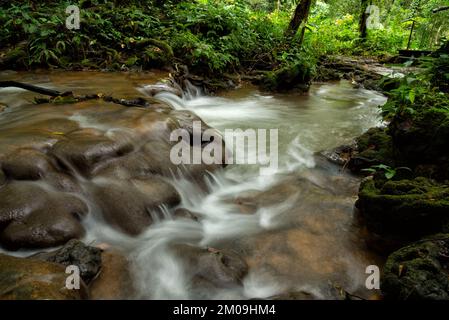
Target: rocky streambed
(101,173)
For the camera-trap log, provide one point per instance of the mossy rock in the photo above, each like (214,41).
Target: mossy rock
(405,208)
(15,57)
(158,53)
(29,279)
(374,147)
(388,84)
(422,139)
(294,76)
(418,271)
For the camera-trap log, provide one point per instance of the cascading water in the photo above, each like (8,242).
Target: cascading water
(294,227)
(329,116)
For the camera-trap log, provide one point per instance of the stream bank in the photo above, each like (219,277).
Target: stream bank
(404,201)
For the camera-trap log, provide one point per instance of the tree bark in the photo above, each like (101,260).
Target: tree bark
(30,87)
(362,23)
(299,18)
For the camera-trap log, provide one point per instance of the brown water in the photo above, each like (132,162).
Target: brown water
(295,227)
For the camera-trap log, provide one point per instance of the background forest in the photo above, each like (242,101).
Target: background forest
(210,36)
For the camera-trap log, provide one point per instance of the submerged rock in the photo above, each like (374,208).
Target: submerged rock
(30,279)
(157,88)
(211,267)
(418,271)
(129,205)
(114,281)
(74,252)
(406,208)
(186,214)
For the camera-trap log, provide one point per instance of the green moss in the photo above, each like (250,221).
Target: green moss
(417,271)
(422,139)
(292,76)
(406,208)
(374,147)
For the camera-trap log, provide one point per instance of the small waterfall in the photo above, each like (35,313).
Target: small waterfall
(293,226)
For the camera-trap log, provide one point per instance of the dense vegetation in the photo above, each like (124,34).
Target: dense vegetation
(209,36)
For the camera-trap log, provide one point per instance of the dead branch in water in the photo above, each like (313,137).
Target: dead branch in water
(69,97)
(33,88)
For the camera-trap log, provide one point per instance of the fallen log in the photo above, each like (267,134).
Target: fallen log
(69,97)
(33,88)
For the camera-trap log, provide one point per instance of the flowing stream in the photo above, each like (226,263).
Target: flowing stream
(296,227)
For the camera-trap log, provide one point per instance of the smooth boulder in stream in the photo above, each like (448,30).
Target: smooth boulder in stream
(60,161)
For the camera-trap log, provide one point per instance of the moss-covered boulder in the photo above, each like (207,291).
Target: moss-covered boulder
(30,279)
(421,141)
(418,271)
(374,147)
(405,208)
(289,77)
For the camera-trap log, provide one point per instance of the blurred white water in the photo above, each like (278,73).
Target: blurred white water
(328,116)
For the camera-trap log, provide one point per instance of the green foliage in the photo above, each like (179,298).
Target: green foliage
(422,91)
(388,171)
(210,36)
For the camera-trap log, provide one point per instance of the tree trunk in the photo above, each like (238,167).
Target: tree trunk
(362,23)
(299,18)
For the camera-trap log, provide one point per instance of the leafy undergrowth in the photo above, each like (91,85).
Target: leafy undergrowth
(211,37)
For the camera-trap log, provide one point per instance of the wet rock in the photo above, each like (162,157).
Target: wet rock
(154,89)
(62,182)
(27,164)
(246,202)
(124,151)
(406,208)
(32,217)
(330,292)
(298,295)
(160,162)
(361,71)
(340,155)
(85,148)
(74,252)
(129,205)
(185,214)
(211,267)
(418,271)
(150,160)
(29,279)
(114,281)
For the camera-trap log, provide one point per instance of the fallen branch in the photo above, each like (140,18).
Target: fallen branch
(69,97)
(30,87)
